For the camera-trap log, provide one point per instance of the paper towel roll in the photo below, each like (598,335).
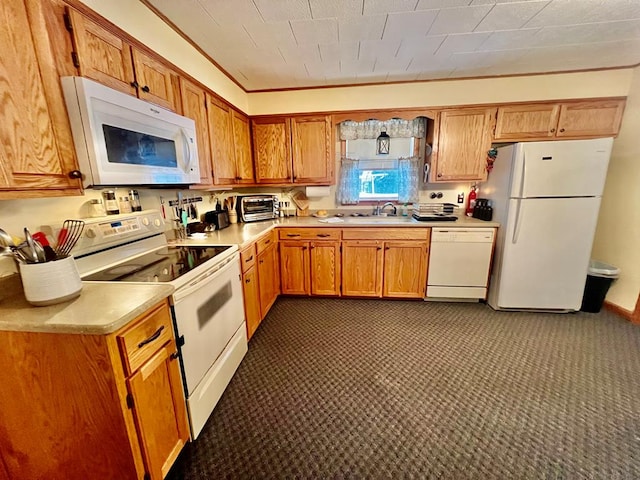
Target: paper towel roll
(314,191)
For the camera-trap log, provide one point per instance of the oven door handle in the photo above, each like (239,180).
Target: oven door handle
(206,278)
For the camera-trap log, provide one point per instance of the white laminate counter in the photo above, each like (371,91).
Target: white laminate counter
(242,234)
(101,308)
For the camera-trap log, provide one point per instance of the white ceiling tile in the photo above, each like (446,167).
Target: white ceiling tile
(508,39)
(346,52)
(372,7)
(570,12)
(414,24)
(458,20)
(324,30)
(409,48)
(281,10)
(491,2)
(436,4)
(298,54)
(508,16)
(225,13)
(461,42)
(361,28)
(391,64)
(335,8)
(374,49)
(358,67)
(272,33)
(588,33)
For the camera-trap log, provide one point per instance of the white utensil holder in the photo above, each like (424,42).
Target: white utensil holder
(52,282)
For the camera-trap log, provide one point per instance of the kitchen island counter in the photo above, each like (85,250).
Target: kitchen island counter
(101,308)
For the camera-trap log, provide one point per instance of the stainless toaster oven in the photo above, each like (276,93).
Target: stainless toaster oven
(252,208)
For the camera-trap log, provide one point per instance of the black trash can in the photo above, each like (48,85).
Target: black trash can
(599,278)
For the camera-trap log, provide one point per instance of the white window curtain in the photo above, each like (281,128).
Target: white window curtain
(395,128)
(408,179)
(348,191)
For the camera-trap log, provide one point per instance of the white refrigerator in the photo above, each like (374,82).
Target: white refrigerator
(546,196)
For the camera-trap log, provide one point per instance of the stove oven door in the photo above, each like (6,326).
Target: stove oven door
(209,314)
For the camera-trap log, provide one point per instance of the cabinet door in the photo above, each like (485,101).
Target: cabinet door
(159,410)
(527,122)
(268,278)
(311,143)
(272,149)
(155,80)
(405,269)
(194,106)
(36,147)
(362,268)
(251,300)
(463,143)
(325,268)
(590,119)
(102,56)
(242,146)
(294,268)
(224,164)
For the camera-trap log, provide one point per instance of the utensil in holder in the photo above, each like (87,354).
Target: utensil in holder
(48,283)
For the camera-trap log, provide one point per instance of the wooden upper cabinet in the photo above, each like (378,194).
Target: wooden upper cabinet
(154,79)
(102,55)
(220,135)
(564,120)
(36,150)
(311,142)
(464,138)
(272,149)
(517,122)
(194,106)
(590,119)
(109,59)
(242,144)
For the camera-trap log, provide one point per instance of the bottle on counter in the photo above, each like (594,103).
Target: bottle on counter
(96,208)
(110,202)
(124,204)
(134,200)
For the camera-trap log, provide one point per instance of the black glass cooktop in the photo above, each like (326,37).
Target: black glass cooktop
(162,265)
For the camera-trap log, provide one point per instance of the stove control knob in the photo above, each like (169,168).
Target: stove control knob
(90,233)
(157,222)
(145,221)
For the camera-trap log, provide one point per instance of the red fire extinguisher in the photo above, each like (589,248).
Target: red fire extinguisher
(471,200)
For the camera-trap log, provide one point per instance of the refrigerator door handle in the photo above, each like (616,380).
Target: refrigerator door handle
(524,171)
(517,223)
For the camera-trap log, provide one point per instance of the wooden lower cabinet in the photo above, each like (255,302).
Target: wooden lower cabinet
(295,276)
(310,267)
(251,300)
(405,269)
(72,408)
(268,278)
(325,268)
(362,268)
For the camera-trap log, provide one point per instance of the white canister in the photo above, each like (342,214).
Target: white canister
(52,282)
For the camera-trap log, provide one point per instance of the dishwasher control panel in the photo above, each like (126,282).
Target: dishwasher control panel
(470,235)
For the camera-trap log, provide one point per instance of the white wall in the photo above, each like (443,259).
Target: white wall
(618,235)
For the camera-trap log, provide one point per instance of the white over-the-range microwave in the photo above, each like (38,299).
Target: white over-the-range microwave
(122,140)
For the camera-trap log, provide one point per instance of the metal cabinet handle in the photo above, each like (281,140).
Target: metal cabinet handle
(248,280)
(561,130)
(552,130)
(249,259)
(135,84)
(152,337)
(293,234)
(267,241)
(145,89)
(323,235)
(75,174)
(174,355)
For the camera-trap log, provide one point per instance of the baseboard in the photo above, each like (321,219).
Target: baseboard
(623,312)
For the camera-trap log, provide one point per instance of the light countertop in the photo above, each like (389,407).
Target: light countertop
(101,308)
(242,234)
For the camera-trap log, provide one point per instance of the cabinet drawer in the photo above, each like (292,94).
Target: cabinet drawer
(386,233)
(248,257)
(266,241)
(309,233)
(139,342)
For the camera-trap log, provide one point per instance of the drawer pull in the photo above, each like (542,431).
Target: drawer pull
(324,235)
(174,355)
(152,337)
(267,241)
(293,234)
(249,259)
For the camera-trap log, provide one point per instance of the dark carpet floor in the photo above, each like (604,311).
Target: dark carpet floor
(350,389)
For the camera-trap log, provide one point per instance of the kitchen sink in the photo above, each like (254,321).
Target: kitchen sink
(374,220)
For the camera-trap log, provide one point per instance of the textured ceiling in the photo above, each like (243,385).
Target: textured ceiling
(272,44)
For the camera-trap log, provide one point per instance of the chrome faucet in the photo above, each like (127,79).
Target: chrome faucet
(379,210)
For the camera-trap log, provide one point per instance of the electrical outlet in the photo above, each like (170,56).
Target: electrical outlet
(461,197)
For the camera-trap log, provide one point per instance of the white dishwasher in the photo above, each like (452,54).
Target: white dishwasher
(459,262)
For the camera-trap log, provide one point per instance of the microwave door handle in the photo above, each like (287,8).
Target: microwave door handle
(187,149)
